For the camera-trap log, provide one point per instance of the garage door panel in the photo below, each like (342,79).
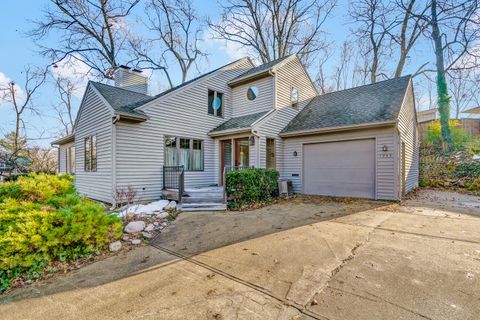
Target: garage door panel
(344,168)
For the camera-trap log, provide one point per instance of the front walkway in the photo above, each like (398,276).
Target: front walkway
(420,260)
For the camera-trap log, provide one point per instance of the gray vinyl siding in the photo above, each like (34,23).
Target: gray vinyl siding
(95,118)
(139,148)
(407,127)
(289,75)
(385,161)
(264,102)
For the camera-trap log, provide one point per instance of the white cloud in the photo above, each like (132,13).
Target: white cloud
(233,50)
(5,97)
(75,71)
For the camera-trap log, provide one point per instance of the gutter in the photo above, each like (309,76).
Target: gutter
(228,132)
(335,129)
(251,77)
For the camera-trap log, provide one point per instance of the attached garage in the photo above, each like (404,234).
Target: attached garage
(349,143)
(345,168)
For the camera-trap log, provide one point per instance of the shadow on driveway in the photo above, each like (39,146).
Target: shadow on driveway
(197,232)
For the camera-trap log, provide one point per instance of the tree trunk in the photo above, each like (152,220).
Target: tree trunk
(443,98)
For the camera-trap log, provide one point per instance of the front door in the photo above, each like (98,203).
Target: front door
(241,152)
(226,160)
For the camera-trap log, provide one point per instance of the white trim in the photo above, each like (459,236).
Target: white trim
(229,132)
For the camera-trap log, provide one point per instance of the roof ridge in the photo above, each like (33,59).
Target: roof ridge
(364,85)
(120,88)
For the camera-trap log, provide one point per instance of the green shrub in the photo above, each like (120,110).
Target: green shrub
(433,134)
(42,220)
(249,186)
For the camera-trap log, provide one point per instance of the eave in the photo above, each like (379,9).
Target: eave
(64,140)
(336,129)
(229,132)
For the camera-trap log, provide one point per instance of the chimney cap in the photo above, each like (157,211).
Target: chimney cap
(124,67)
(137,70)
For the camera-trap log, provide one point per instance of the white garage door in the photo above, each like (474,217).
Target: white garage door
(345,168)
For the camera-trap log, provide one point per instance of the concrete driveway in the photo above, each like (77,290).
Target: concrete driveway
(310,258)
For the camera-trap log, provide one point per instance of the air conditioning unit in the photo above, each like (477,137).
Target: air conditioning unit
(285,188)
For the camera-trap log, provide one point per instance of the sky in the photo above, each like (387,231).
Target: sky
(17,51)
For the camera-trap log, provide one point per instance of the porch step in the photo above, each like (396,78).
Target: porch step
(209,199)
(206,206)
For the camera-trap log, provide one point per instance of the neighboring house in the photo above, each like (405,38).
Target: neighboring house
(359,142)
(470,126)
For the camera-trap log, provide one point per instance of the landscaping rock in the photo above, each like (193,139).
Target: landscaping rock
(149,227)
(162,215)
(171,205)
(115,246)
(136,241)
(135,226)
(125,237)
(147,235)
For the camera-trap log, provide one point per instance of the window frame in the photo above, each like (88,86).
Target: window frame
(215,95)
(190,150)
(274,153)
(92,163)
(294,103)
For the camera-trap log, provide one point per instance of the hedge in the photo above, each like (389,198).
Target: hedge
(42,220)
(250,186)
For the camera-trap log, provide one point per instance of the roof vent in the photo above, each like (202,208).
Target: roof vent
(131,79)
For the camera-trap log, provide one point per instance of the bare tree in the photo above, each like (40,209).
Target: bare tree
(322,79)
(274,29)
(20,99)
(342,71)
(177,31)
(42,159)
(463,89)
(410,27)
(65,108)
(92,31)
(374,21)
(454,31)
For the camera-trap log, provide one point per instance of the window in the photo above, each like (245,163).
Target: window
(87,155)
(170,151)
(90,155)
(184,152)
(252,93)
(270,153)
(215,103)
(294,97)
(71,158)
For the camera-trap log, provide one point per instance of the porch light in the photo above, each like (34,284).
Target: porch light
(385,148)
(295,153)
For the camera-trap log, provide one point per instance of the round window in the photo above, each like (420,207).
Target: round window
(252,93)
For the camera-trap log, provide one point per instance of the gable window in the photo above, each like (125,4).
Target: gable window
(184,152)
(90,153)
(71,160)
(270,150)
(294,97)
(215,103)
(252,93)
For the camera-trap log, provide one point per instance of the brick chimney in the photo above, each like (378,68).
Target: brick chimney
(131,79)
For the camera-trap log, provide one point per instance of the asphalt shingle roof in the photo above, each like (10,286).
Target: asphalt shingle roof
(122,100)
(260,68)
(243,122)
(378,102)
(126,101)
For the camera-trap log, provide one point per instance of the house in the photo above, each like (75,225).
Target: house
(470,126)
(359,142)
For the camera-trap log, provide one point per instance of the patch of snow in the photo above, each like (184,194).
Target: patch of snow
(145,209)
